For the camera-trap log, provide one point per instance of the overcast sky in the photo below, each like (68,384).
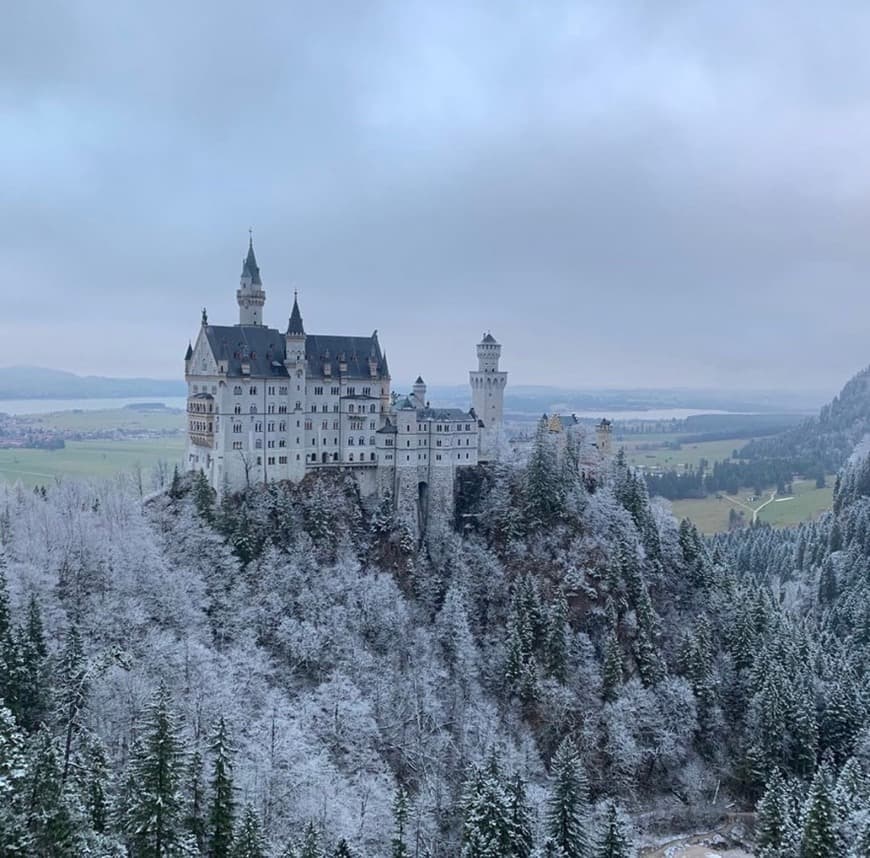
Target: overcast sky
(626,194)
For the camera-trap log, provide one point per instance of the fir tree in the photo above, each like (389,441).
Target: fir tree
(611,674)
(221,811)
(773,816)
(156,806)
(342,850)
(310,845)
(568,803)
(51,825)
(820,819)
(615,842)
(14,838)
(32,681)
(486,830)
(519,818)
(195,821)
(400,820)
(557,640)
(248,842)
(96,786)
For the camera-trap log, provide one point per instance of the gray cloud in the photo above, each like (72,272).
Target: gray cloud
(626,193)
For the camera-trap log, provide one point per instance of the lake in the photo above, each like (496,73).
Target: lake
(47,406)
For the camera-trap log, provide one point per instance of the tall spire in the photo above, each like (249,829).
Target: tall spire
(295,326)
(249,266)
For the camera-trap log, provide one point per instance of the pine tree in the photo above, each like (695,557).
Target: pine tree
(557,640)
(400,820)
(342,850)
(14,838)
(221,812)
(773,815)
(310,845)
(519,818)
(820,819)
(486,830)
(32,682)
(203,496)
(9,658)
(50,822)
(611,674)
(156,807)
(542,495)
(248,842)
(568,803)
(96,786)
(73,690)
(615,842)
(195,821)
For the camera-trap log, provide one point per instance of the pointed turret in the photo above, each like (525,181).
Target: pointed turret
(189,353)
(249,266)
(295,326)
(420,392)
(295,337)
(250,294)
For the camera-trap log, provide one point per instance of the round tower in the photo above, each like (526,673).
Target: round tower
(250,294)
(420,392)
(487,394)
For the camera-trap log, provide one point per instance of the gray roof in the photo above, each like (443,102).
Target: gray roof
(419,380)
(261,347)
(387,429)
(489,338)
(354,350)
(265,349)
(189,353)
(250,267)
(445,414)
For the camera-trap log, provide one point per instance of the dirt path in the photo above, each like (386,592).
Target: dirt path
(753,510)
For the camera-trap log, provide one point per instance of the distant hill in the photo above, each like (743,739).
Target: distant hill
(827,440)
(33,382)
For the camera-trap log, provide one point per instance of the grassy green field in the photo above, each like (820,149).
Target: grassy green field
(118,418)
(650,452)
(87,459)
(711,514)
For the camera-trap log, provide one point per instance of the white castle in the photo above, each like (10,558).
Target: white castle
(264,405)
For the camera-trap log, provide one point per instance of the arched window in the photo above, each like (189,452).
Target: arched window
(373,457)
(350,457)
(372,408)
(350,408)
(253,409)
(362,441)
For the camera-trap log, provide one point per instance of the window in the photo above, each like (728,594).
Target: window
(351,391)
(271,460)
(237,409)
(258,427)
(335,424)
(253,391)
(367,391)
(271,444)
(282,426)
(362,441)
(282,460)
(318,391)
(350,442)
(253,409)
(350,408)
(282,409)
(237,445)
(372,440)
(282,442)
(298,405)
(350,457)
(438,443)
(259,460)
(271,408)
(335,408)
(270,427)
(314,408)
(237,428)
(438,457)
(372,425)
(237,390)
(271,392)
(258,444)
(282,391)
(373,457)
(335,391)
(372,408)
(325,424)
(307,425)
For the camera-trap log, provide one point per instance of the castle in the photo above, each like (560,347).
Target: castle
(264,405)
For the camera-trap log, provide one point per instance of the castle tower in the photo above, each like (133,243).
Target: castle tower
(295,336)
(420,392)
(487,395)
(250,294)
(604,438)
